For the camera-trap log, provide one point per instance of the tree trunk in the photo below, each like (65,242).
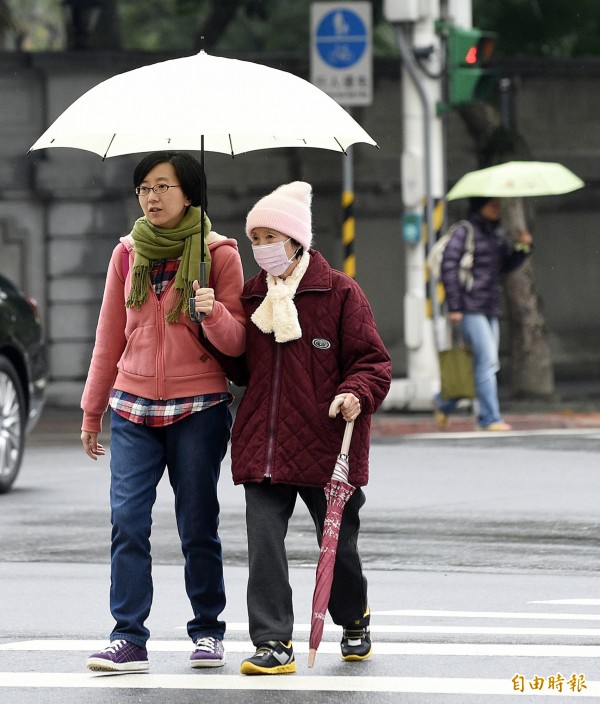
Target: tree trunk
(532,374)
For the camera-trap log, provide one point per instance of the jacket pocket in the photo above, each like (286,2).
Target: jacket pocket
(139,356)
(184,355)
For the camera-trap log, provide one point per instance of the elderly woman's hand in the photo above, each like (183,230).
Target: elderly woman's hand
(348,404)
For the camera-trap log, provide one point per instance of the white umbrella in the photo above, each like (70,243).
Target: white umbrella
(200,103)
(236,106)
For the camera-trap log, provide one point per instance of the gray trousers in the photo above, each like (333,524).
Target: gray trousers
(269,508)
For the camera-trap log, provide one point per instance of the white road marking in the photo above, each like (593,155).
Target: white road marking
(490,614)
(307,680)
(587,433)
(329,648)
(342,683)
(404,628)
(572,602)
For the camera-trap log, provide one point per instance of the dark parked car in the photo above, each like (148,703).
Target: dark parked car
(23,376)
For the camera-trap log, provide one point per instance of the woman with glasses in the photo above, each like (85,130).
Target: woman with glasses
(170,402)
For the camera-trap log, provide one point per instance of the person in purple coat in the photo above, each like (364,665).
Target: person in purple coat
(475,309)
(311,339)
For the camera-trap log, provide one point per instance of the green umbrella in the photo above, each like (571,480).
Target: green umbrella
(515,179)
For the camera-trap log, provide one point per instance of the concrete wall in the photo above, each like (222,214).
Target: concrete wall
(62,210)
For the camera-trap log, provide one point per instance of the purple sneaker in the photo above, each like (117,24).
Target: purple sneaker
(209,652)
(119,656)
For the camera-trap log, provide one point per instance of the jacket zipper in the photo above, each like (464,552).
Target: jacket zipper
(273,414)
(160,350)
(160,334)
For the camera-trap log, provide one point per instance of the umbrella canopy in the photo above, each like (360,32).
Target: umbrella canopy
(515,179)
(205,103)
(236,106)
(338,491)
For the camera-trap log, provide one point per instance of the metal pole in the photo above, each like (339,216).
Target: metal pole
(422,188)
(408,63)
(199,317)
(348,220)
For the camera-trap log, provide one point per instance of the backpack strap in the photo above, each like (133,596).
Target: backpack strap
(124,261)
(470,240)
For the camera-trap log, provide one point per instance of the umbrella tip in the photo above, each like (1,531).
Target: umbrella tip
(312,654)
(202,43)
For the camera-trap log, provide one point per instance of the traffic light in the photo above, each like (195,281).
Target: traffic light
(468,54)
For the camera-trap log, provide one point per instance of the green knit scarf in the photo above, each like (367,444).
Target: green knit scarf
(152,243)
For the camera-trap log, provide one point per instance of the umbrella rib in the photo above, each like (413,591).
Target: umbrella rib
(340,146)
(112,139)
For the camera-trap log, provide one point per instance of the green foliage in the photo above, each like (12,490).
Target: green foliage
(32,25)
(159,25)
(555,28)
(559,28)
(229,25)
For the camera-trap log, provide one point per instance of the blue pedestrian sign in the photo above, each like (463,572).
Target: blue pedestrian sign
(341,38)
(341,54)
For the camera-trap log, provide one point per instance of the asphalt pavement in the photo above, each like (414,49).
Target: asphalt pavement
(574,405)
(481,555)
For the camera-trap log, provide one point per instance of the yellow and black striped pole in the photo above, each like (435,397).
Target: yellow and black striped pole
(435,296)
(348,222)
(348,226)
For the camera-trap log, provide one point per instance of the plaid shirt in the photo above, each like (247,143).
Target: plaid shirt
(159,413)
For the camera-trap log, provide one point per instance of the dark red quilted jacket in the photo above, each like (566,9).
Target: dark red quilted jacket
(282,427)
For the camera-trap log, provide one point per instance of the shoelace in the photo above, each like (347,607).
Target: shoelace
(115,646)
(353,633)
(265,650)
(207,644)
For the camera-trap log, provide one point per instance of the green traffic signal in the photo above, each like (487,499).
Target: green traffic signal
(468,54)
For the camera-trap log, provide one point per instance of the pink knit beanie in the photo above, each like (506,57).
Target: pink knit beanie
(286,210)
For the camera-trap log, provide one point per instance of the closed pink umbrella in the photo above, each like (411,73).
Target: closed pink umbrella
(338,491)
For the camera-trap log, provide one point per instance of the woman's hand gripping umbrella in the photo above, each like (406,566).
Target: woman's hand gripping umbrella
(337,491)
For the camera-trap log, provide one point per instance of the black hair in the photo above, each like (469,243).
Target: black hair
(476,203)
(188,168)
(299,249)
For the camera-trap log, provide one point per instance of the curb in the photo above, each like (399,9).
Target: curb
(389,426)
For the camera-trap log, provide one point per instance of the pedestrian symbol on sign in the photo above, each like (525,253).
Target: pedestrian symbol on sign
(341,38)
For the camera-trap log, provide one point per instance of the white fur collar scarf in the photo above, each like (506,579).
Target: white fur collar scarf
(277,313)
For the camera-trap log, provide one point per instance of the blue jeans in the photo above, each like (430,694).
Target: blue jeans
(482,334)
(192,449)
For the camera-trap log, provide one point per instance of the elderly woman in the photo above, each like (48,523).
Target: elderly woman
(311,339)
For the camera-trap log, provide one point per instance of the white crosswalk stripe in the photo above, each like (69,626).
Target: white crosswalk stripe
(393,644)
(328,648)
(432,685)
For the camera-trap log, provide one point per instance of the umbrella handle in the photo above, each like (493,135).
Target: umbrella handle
(198,317)
(347,438)
(333,411)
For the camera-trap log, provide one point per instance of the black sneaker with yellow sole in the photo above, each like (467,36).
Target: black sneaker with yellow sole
(356,640)
(270,658)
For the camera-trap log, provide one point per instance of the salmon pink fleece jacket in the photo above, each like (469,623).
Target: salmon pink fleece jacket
(139,352)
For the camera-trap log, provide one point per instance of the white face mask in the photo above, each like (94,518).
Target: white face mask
(272,257)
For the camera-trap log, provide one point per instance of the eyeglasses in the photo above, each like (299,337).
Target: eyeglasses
(159,188)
